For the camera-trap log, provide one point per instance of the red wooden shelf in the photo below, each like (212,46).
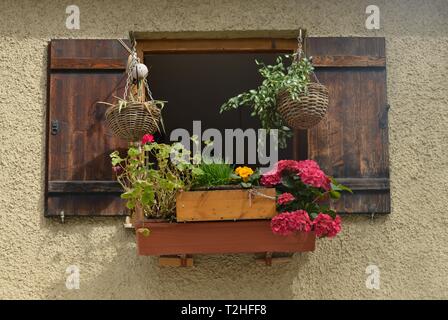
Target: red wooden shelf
(218,237)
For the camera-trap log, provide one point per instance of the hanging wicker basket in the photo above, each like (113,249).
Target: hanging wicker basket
(308,110)
(134,120)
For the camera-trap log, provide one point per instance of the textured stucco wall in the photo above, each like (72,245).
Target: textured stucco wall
(409,246)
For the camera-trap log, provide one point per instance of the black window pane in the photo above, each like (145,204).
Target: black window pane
(197,84)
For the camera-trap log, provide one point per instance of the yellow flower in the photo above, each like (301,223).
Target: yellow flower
(244,172)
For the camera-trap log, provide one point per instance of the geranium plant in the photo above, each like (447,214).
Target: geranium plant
(303,193)
(150,178)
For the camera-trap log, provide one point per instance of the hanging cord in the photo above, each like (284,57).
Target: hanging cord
(299,50)
(300,53)
(253,193)
(135,60)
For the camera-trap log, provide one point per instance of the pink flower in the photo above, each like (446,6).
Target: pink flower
(308,170)
(274,176)
(285,198)
(117,169)
(270,178)
(315,177)
(304,164)
(289,165)
(326,226)
(147,138)
(287,223)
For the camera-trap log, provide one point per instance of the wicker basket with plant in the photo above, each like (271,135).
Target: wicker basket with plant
(287,98)
(135,115)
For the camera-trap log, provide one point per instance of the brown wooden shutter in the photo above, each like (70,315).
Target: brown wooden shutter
(351,144)
(79,179)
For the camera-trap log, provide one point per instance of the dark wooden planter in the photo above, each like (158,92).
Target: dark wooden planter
(218,237)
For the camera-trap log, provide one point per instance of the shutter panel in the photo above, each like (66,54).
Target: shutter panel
(79,179)
(351,144)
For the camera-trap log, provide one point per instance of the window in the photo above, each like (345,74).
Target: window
(197,76)
(351,143)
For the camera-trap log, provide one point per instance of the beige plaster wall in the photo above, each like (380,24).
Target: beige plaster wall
(409,246)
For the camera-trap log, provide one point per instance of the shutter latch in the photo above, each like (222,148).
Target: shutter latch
(54,127)
(383,117)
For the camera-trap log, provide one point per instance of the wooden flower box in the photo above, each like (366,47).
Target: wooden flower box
(225,204)
(250,236)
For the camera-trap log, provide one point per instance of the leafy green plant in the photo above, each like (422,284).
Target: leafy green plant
(263,100)
(213,174)
(153,185)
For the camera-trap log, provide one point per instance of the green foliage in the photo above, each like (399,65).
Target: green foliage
(210,174)
(153,185)
(311,199)
(263,100)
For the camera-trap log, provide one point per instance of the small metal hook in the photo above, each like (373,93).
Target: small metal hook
(300,37)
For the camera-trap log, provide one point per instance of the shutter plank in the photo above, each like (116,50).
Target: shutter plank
(84,186)
(351,143)
(348,61)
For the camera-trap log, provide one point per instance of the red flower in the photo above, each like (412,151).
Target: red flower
(315,177)
(287,223)
(285,198)
(326,226)
(147,138)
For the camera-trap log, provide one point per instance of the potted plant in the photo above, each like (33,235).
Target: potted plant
(220,192)
(153,175)
(286,97)
(303,195)
(134,115)
(163,181)
(149,178)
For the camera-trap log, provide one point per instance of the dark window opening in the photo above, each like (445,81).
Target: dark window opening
(197,84)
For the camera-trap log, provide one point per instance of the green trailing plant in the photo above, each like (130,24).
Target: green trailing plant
(263,100)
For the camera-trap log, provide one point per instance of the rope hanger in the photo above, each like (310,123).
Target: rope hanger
(133,62)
